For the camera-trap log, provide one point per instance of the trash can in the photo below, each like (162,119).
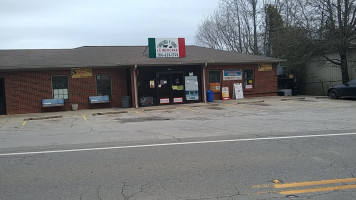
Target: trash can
(126,101)
(74,106)
(210,96)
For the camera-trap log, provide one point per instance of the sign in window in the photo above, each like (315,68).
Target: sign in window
(215,81)
(248,79)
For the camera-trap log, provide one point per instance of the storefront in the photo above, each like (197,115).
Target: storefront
(169,85)
(255,80)
(167,72)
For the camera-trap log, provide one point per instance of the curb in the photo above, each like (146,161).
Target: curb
(154,109)
(205,105)
(250,102)
(287,99)
(109,113)
(44,117)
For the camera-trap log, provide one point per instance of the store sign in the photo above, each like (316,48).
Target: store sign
(81,72)
(166,47)
(232,74)
(178,100)
(164,101)
(264,67)
(238,91)
(225,93)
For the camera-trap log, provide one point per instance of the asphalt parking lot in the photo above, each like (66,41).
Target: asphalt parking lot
(256,148)
(231,118)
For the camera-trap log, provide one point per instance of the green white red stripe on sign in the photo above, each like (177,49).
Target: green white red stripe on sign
(166,47)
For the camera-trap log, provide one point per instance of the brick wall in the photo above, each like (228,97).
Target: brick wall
(25,90)
(265,82)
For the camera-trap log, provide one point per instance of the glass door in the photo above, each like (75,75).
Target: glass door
(177,87)
(163,88)
(170,87)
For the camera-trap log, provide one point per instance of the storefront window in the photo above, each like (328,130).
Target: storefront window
(60,87)
(214,76)
(248,79)
(103,85)
(214,81)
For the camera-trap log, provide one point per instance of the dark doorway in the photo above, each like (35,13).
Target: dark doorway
(170,87)
(2,97)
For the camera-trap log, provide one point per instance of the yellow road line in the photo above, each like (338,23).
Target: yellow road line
(24,123)
(186,108)
(309,183)
(262,186)
(323,189)
(84,118)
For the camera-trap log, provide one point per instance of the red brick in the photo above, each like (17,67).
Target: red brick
(25,90)
(265,81)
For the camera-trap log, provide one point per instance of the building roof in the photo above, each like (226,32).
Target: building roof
(118,56)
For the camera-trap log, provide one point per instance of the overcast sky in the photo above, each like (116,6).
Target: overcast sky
(33,24)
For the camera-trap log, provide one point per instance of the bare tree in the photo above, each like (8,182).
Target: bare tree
(234,27)
(318,26)
(336,31)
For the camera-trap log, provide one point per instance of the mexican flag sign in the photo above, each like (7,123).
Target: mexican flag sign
(166,47)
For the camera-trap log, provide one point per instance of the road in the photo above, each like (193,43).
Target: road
(221,157)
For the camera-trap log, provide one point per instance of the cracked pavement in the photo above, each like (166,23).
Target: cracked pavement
(242,169)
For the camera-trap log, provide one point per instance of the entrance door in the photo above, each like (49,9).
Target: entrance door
(163,88)
(170,87)
(177,87)
(2,97)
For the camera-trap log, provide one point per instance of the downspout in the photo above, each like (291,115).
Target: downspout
(135,86)
(204,83)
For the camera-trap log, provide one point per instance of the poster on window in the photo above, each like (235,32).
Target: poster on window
(215,87)
(249,86)
(232,74)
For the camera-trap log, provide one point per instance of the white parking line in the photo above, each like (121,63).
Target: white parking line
(175,144)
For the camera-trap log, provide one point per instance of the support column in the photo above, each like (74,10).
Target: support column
(135,96)
(204,82)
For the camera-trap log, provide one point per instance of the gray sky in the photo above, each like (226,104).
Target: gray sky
(27,24)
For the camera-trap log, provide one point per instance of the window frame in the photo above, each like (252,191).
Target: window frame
(67,88)
(218,71)
(245,79)
(96,84)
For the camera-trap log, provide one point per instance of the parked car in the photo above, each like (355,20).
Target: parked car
(345,90)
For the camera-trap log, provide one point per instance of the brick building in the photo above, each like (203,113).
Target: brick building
(125,72)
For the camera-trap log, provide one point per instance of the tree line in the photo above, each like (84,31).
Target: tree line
(295,30)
